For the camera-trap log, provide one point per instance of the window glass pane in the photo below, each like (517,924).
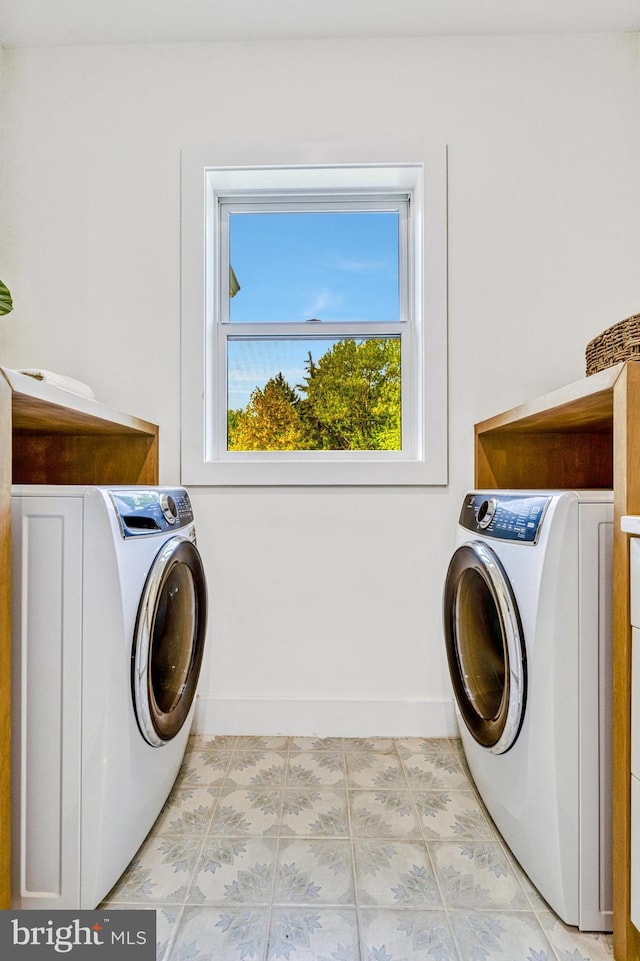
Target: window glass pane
(317,394)
(298,266)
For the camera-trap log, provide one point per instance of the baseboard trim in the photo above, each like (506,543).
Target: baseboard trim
(316,718)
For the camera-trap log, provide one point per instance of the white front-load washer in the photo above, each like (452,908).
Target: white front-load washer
(109,619)
(527,614)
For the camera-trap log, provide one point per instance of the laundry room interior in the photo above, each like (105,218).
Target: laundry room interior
(325,601)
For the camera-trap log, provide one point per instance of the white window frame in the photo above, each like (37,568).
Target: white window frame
(244,176)
(221,207)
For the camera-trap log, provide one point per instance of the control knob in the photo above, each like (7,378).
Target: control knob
(169,509)
(486,511)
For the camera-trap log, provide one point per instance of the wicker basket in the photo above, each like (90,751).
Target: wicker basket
(613,345)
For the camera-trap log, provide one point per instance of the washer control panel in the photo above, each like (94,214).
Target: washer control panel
(510,517)
(151,510)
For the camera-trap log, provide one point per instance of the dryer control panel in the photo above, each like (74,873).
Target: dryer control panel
(510,517)
(152,510)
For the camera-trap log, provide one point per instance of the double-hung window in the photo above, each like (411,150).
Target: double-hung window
(313,347)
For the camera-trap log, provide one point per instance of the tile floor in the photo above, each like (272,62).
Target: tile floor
(337,850)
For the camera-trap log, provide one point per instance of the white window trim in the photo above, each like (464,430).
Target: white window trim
(282,168)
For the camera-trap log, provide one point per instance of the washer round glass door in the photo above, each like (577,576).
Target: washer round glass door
(485,646)
(169,641)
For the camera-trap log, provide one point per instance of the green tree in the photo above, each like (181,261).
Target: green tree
(352,396)
(270,421)
(350,400)
(233,416)
(387,407)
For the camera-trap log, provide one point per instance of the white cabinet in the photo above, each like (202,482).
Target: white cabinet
(52,436)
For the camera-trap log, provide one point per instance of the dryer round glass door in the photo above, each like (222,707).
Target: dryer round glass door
(169,641)
(485,646)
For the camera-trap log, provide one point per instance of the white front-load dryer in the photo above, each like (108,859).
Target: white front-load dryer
(109,619)
(528,627)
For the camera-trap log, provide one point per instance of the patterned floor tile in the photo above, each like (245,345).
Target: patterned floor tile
(442,752)
(396,874)
(315,812)
(495,936)
(161,870)
(455,814)
(436,771)
(203,767)
(251,810)
(265,768)
(167,917)
(257,742)
(383,814)
(283,818)
(407,936)
(312,871)
(208,742)
(188,810)
(373,770)
(317,744)
(379,745)
(310,934)
(222,933)
(316,769)
(234,871)
(476,875)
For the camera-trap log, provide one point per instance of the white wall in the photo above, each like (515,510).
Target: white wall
(325,604)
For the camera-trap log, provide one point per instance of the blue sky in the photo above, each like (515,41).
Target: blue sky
(294,267)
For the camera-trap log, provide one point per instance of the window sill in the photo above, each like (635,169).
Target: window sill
(366,471)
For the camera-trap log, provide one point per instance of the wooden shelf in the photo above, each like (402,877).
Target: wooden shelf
(564,439)
(37,406)
(586,404)
(586,435)
(62,438)
(53,436)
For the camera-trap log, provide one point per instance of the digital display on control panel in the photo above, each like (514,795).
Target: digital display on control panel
(511,517)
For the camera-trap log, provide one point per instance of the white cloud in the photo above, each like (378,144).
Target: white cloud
(322,301)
